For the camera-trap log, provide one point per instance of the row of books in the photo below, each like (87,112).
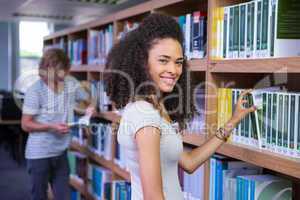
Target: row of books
(77,51)
(61,44)
(275,124)
(99,44)
(236,180)
(255,29)
(77,133)
(194,28)
(102,186)
(77,164)
(100,141)
(99,94)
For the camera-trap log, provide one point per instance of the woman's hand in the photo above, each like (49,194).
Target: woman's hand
(240,112)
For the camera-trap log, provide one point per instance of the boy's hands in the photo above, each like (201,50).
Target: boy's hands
(61,128)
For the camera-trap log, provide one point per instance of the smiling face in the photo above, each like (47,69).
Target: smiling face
(165,62)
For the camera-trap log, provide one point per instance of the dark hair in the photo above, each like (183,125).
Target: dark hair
(56,58)
(130,56)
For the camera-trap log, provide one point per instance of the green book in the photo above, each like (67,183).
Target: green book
(264,120)
(286,122)
(287,28)
(279,142)
(291,133)
(231,32)
(265,28)
(258,27)
(236,35)
(269,119)
(250,29)
(274,120)
(242,30)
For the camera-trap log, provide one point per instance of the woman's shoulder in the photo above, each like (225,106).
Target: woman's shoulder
(141,108)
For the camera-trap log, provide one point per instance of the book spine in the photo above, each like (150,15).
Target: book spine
(258,28)
(265,28)
(292,114)
(226,32)
(188,36)
(236,34)
(242,30)
(285,135)
(298,127)
(279,142)
(231,32)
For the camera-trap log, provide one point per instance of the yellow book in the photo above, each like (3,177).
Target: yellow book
(214,33)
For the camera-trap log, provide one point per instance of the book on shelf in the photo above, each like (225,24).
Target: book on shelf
(99,182)
(75,195)
(194,28)
(100,141)
(77,51)
(264,186)
(256,29)
(100,96)
(237,180)
(273,126)
(102,185)
(99,44)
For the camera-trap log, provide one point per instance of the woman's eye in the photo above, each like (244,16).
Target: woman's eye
(163,61)
(179,63)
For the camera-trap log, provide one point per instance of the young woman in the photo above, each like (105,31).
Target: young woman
(148,81)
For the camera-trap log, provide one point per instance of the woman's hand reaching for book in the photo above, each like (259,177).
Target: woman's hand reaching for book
(240,111)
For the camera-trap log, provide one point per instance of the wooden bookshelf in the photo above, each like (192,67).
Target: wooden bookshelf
(87,68)
(198,65)
(261,65)
(244,73)
(259,157)
(109,164)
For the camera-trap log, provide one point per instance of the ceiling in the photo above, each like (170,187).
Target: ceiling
(61,11)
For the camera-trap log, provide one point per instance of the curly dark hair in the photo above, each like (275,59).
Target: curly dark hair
(130,56)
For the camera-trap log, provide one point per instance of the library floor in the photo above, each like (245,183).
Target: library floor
(14,180)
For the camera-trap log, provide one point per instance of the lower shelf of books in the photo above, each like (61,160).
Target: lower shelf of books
(100,160)
(260,157)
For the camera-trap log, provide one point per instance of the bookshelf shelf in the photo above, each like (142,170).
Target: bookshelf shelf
(100,160)
(198,65)
(108,164)
(87,68)
(263,65)
(263,158)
